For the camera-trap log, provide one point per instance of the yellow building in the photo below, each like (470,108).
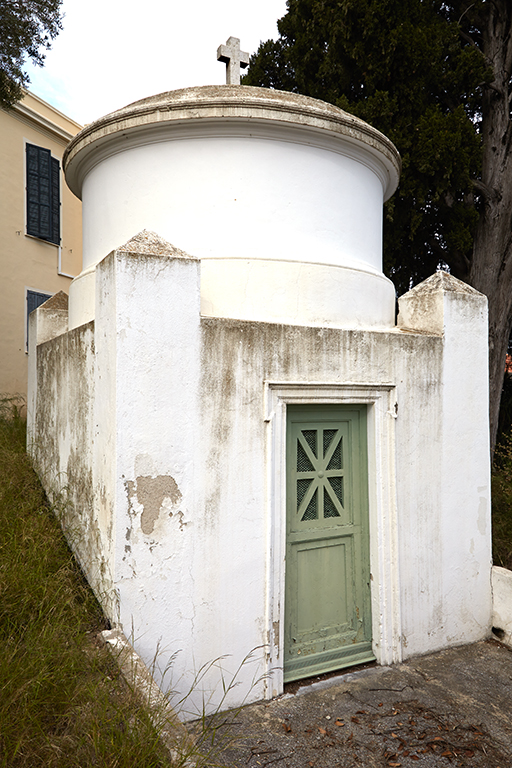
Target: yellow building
(40,225)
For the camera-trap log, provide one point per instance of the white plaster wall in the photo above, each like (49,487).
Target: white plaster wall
(185,464)
(150,317)
(300,224)
(237,197)
(466,480)
(502,603)
(238,359)
(453,460)
(105,426)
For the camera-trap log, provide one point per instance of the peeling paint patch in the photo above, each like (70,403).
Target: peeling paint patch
(151,492)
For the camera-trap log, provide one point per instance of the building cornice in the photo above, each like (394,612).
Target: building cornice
(30,115)
(43,122)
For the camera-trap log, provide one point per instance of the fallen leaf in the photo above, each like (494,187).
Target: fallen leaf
(287,727)
(446,754)
(438,738)
(361,712)
(415,757)
(394,736)
(469,753)
(322,730)
(339,722)
(395,765)
(381,704)
(355,719)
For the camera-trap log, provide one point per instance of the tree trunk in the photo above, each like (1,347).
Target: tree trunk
(491,267)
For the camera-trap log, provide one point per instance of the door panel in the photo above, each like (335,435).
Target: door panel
(327,602)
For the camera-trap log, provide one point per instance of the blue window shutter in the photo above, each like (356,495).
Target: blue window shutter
(55,210)
(34,300)
(43,194)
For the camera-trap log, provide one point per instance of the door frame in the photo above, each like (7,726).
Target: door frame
(382,412)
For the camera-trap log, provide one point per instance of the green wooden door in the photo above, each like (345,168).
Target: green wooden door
(327,602)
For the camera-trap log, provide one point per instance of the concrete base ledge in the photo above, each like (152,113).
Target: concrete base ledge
(172,731)
(502,604)
(296,293)
(275,291)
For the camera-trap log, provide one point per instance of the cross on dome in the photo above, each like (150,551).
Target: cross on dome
(233,58)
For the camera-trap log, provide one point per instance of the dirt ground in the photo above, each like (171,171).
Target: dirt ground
(448,708)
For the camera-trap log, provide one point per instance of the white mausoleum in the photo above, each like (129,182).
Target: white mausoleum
(259,459)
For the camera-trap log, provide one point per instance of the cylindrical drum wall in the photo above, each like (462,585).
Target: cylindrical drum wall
(280,196)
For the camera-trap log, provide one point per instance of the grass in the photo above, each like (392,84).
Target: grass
(62,700)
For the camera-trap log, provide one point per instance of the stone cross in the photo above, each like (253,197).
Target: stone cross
(233,58)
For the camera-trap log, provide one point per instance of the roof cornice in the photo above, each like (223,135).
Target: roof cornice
(34,117)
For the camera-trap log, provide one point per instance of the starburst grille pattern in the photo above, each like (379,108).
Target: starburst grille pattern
(319,474)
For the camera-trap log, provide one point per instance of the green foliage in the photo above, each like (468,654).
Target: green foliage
(502,503)
(406,69)
(26,29)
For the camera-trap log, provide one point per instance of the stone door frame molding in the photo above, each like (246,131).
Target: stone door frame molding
(381,402)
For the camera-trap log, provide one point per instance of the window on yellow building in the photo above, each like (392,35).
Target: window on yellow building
(43,194)
(34,300)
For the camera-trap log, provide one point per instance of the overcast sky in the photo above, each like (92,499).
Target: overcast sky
(112,52)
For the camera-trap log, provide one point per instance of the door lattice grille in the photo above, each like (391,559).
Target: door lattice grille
(328,436)
(310,438)
(337,486)
(319,481)
(329,507)
(303,463)
(336,458)
(302,488)
(311,512)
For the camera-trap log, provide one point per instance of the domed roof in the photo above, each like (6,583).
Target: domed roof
(225,104)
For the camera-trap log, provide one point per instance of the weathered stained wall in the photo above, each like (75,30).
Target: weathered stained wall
(165,427)
(61,442)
